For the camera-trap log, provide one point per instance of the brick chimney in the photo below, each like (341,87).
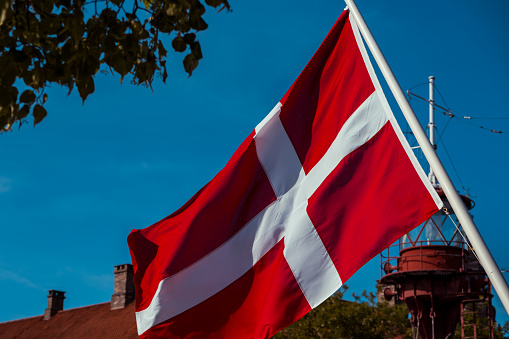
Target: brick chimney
(55,303)
(123,293)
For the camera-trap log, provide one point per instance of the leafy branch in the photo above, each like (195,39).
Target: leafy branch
(43,42)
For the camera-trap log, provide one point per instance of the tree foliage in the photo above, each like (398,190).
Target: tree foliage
(338,318)
(482,329)
(364,318)
(43,42)
(504,329)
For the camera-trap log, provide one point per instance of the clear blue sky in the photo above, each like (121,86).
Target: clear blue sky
(72,188)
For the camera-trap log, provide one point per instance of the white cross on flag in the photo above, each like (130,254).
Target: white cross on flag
(324,183)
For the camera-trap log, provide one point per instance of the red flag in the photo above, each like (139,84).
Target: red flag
(324,183)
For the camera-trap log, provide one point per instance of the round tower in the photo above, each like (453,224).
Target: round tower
(434,272)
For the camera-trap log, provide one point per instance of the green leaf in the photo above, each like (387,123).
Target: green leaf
(183,25)
(196,50)
(189,38)
(23,112)
(178,44)
(197,23)
(165,72)
(39,113)
(85,88)
(27,97)
(213,3)
(174,9)
(147,3)
(162,50)
(190,63)
(199,9)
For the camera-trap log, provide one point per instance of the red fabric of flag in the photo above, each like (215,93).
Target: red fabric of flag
(324,183)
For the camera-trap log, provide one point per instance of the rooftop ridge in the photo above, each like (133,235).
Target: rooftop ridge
(80,307)
(21,319)
(62,311)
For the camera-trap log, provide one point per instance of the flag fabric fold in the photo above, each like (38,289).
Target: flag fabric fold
(324,183)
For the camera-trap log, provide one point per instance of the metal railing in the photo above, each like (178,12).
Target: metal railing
(390,258)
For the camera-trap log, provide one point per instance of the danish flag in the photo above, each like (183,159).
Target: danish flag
(324,183)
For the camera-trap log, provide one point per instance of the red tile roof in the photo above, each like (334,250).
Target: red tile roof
(95,321)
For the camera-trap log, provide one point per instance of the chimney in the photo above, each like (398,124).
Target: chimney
(123,293)
(55,303)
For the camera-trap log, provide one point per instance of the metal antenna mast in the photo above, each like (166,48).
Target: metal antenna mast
(431,126)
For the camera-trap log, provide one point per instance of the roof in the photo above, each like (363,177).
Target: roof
(95,321)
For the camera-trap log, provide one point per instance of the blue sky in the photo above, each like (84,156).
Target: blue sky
(72,188)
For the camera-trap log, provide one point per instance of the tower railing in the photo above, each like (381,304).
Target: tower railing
(427,264)
(390,259)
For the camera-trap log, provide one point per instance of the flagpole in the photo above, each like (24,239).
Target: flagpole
(477,242)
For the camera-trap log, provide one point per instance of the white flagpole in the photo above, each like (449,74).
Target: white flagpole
(478,244)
